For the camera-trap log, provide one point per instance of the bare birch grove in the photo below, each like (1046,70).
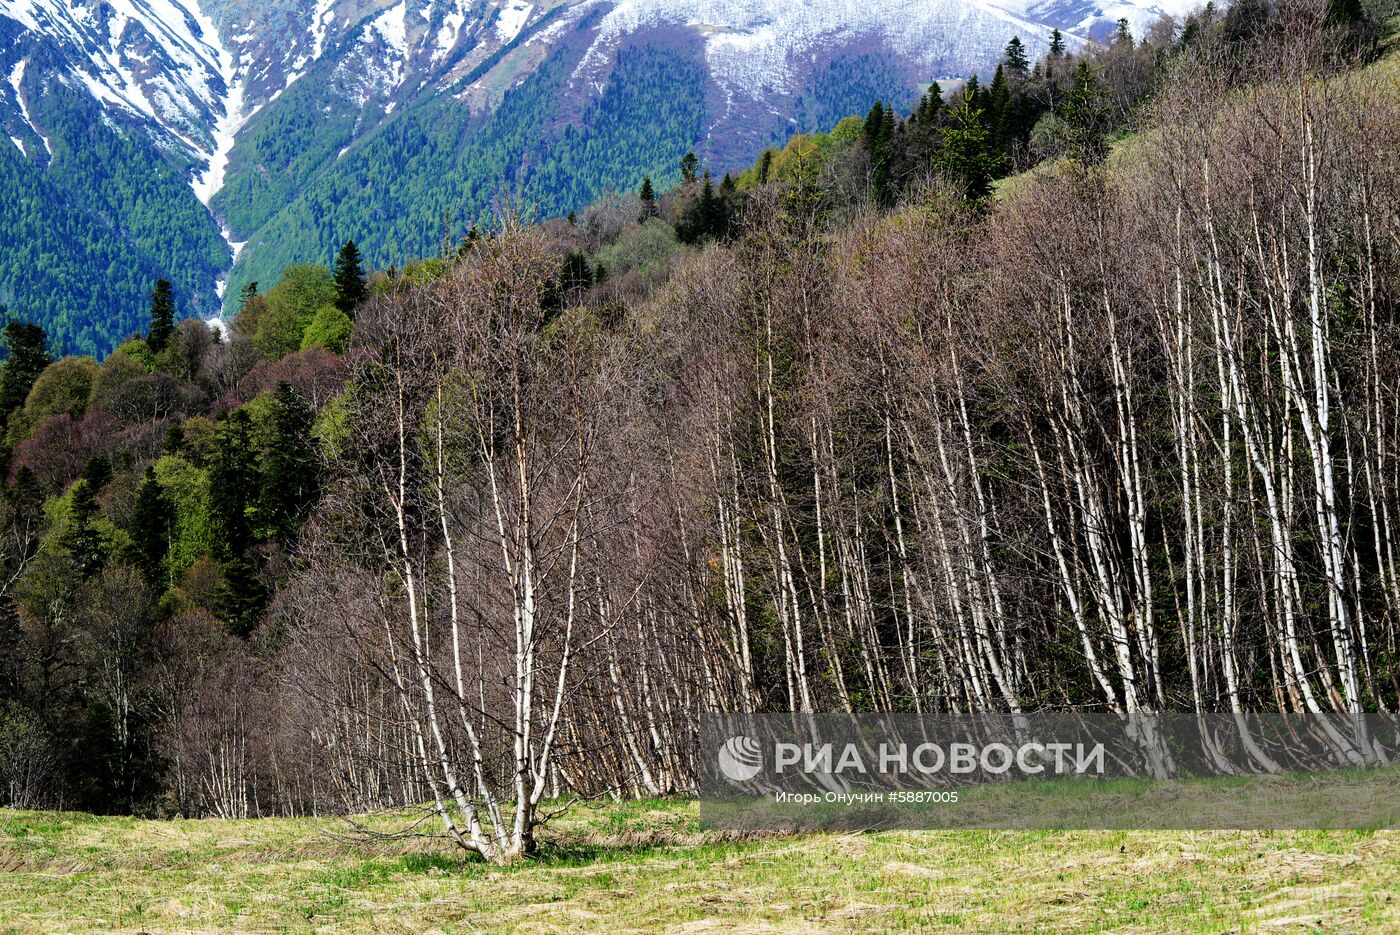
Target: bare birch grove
(1127,442)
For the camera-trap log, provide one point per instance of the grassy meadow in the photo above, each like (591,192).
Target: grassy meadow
(649,867)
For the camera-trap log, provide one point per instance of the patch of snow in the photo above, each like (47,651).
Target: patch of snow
(751,45)
(447,33)
(320,19)
(16,79)
(392,25)
(19,143)
(227,124)
(512,19)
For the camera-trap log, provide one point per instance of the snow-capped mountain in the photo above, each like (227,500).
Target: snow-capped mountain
(276,114)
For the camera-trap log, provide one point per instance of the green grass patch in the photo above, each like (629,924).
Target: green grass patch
(649,867)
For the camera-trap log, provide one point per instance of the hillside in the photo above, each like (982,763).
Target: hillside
(171,139)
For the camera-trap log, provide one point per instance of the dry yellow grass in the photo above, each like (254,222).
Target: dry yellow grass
(647,867)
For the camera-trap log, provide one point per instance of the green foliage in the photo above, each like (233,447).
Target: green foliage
(139,350)
(329,328)
(969,154)
(1014,60)
(437,160)
(349,279)
(240,597)
(192,529)
(330,427)
(639,248)
(81,538)
(83,236)
(118,369)
(690,164)
(707,217)
(290,306)
(162,316)
(26,356)
(152,519)
(289,477)
(1085,115)
(233,483)
(64,386)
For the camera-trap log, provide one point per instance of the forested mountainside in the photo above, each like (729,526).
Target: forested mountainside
(1076,392)
(173,138)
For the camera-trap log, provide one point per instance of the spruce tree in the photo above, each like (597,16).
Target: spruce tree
(968,154)
(999,113)
(174,440)
(150,529)
(248,294)
(26,357)
(1083,111)
(350,288)
(240,598)
(233,481)
(1014,59)
(875,135)
(575,276)
(97,472)
(82,539)
(648,198)
(690,166)
(1057,44)
(765,166)
(290,468)
(162,316)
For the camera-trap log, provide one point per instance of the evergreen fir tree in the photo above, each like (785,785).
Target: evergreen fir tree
(289,469)
(82,539)
(690,165)
(1084,113)
(174,440)
(765,166)
(240,598)
(233,479)
(1345,12)
(97,472)
(648,198)
(350,288)
(968,154)
(248,294)
(26,494)
(162,316)
(875,135)
(1057,44)
(575,276)
(1014,60)
(999,113)
(150,529)
(26,357)
(872,128)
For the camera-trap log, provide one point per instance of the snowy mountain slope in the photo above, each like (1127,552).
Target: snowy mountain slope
(158,61)
(256,103)
(192,72)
